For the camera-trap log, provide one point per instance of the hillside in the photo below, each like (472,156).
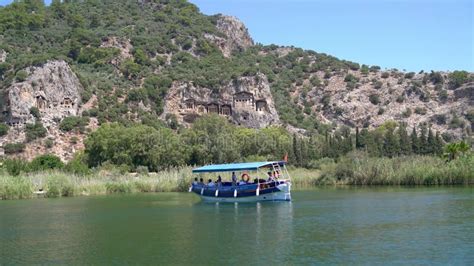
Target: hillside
(67,68)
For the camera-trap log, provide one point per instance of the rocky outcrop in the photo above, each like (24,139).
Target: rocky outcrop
(124,46)
(52,88)
(3,56)
(374,99)
(244,101)
(236,35)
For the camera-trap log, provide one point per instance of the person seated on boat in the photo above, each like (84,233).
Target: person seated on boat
(195,182)
(210,183)
(277,174)
(270,177)
(234,179)
(244,179)
(219,181)
(201,181)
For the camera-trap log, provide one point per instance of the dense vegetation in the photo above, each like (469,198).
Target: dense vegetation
(168,44)
(158,31)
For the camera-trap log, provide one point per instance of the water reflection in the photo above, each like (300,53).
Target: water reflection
(263,230)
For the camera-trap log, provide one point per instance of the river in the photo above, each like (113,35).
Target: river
(410,226)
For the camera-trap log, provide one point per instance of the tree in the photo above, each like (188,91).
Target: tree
(357,139)
(430,142)
(3,129)
(405,145)
(35,131)
(46,162)
(415,142)
(457,78)
(423,140)
(374,98)
(35,112)
(439,144)
(391,144)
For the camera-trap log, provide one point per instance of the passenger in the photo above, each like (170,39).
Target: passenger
(277,174)
(195,182)
(210,183)
(219,181)
(270,177)
(201,181)
(234,179)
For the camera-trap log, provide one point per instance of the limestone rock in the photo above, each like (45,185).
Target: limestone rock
(3,56)
(53,88)
(245,101)
(236,35)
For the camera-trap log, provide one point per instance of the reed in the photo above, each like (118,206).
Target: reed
(61,184)
(359,169)
(354,169)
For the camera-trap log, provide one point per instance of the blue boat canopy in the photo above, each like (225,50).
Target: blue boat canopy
(253,166)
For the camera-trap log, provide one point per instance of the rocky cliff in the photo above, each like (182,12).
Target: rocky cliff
(52,88)
(142,61)
(236,35)
(55,91)
(245,101)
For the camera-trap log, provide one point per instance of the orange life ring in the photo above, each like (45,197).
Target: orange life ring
(245,177)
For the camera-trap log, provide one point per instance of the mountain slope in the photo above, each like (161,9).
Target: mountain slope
(163,62)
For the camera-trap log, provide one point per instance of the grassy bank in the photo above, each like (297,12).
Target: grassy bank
(354,169)
(358,169)
(57,183)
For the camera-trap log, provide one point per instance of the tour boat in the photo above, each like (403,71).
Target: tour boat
(256,181)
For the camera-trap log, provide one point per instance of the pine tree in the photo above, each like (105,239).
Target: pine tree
(405,145)
(391,146)
(358,140)
(423,140)
(296,151)
(430,143)
(439,144)
(415,142)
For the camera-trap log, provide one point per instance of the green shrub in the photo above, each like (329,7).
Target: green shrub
(15,166)
(49,143)
(46,162)
(78,165)
(420,111)
(407,113)
(457,78)
(21,75)
(400,99)
(35,112)
(456,122)
(35,131)
(11,148)
(3,129)
(409,75)
(74,122)
(374,98)
(440,119)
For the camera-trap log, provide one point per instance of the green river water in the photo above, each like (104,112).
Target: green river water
(409,226)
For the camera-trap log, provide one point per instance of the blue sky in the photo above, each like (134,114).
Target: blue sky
(403,34)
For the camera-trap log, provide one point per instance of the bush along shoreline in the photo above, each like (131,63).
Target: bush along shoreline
(354,169)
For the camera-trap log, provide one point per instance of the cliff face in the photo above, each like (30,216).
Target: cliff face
(236,35)
(55,91)
(245,101)
(213,66)
(52,88)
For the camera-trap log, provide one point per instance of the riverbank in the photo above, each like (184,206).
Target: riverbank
(350,170)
